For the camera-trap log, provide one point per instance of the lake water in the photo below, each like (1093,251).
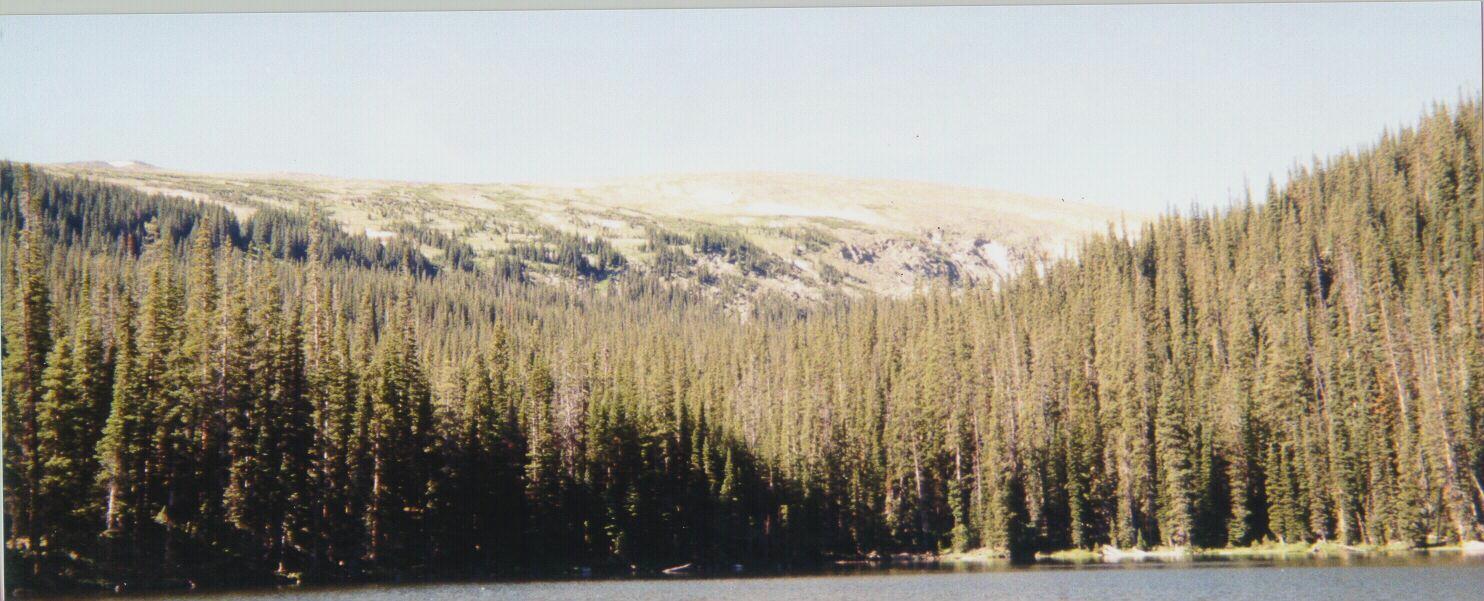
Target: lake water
(1410,578)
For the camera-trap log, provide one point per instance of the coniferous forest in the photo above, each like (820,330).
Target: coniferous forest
(194,396)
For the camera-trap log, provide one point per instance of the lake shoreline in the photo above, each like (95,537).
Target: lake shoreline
(988,560)
(1270,550)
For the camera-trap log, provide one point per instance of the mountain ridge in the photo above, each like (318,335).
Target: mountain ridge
(807,236)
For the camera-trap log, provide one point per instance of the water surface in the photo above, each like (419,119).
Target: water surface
(1410,578)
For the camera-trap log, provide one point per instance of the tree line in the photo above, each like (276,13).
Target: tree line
(193,397)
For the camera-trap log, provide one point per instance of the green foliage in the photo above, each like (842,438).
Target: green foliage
(737,250)
(277,397)
(573,255)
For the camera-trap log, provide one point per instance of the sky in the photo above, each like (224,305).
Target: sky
(1139,107)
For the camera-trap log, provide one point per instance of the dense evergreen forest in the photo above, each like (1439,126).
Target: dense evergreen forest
(194,397)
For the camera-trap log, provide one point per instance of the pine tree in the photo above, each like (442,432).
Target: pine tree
(244,371)
(202,393)
(70,420)
(124,451)
(293,416)
(1243,524)
(1300,369)
(163,375)
(1018,528)
(399,443)
(1177,486)
(543,486)
(335,387)
(28,340)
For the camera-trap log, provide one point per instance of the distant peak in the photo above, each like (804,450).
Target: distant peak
(127,164)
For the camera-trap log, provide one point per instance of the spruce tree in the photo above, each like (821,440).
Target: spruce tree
(71,420)
(124,451)
(28,340)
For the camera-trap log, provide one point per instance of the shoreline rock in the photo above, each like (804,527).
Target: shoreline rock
(1114,554)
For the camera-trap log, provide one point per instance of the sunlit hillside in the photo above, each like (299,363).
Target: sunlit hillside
(805,236)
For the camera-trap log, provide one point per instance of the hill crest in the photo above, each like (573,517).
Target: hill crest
(805,236)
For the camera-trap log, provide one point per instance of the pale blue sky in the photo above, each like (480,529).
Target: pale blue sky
(1135,106)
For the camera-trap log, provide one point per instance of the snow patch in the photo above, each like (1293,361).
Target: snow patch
(996,254)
